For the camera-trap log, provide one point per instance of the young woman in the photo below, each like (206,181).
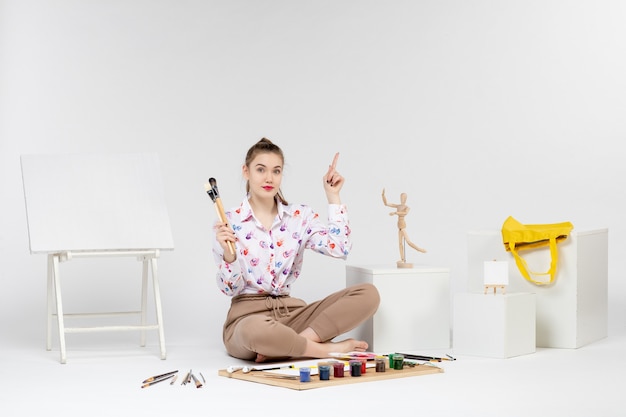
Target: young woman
(270,236)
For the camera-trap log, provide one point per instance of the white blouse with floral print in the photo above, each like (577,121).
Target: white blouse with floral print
(269,261)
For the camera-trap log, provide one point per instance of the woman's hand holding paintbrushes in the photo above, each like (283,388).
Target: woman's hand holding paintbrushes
(213,192)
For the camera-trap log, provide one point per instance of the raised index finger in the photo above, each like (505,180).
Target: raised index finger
(334,164)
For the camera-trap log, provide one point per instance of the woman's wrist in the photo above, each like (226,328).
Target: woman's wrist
(229,258)
(333,199)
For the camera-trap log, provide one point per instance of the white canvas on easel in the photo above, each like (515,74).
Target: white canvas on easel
(495,275)
(96,205)
(95,202)
(496,272)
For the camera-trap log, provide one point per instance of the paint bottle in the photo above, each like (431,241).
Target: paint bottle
(338,368)
(355,368)
(380,365)
(324,371)
(398,361)
(305,374)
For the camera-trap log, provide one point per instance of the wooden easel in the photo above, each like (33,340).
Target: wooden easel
(496,275)
(148,258)
(97,206)
(495,288)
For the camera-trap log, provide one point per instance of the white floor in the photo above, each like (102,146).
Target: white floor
(104,379)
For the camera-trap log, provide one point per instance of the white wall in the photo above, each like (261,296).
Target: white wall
(476,109)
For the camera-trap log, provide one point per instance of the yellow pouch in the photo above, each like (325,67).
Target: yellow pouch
(517,237)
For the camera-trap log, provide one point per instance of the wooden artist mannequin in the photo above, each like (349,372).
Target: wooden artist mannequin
(402,210)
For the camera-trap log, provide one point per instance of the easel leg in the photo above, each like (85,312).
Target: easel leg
(495,288)
(57,296)
(144,298)
(157,303)
(50,302)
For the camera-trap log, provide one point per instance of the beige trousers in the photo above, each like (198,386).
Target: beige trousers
(271,325)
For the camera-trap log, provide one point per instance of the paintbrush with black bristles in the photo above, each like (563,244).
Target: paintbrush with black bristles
(213,192)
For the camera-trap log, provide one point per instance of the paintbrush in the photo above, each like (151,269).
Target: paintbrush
(427,358)
(213,192)
(156,381)
(278,376)
(153,378)
(198,383)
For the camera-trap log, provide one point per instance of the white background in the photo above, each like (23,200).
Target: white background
(476,109)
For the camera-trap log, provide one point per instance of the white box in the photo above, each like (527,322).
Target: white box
(414,311)
(496,326)
(571,312)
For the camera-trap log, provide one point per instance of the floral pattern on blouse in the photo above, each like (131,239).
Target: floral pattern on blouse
(269,261)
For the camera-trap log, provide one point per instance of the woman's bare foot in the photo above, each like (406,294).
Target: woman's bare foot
(315,348)
(350,345)
(323,350)
(262,358)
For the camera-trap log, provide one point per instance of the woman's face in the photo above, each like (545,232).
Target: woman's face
(264,174)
